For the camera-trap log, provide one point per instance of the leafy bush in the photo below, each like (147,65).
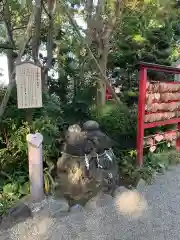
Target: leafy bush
(119,122)
(153,163)
(14,128)
(14,153)
(130,97)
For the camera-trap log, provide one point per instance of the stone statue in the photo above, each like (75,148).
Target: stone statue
(87,164)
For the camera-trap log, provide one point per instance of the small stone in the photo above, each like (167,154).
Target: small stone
(98,201)
(77,208)
(90,125)
(21,210)
(141,185)
(51,207)
(18,213)
(120,190)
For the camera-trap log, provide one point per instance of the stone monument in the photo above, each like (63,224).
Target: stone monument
(88,164)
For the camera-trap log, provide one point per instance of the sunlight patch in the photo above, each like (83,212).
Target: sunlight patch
(130,203)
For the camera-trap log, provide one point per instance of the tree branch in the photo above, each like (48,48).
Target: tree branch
(112,20)
(74,24)
(89,10)
(6,46)
(19,28)
(7,21)
(21,51)
(46,11)
(36,35)
(99,10)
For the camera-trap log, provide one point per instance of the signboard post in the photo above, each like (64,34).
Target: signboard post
(29,86)
(35,166)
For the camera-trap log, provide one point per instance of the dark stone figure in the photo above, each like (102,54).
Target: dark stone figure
(87,164)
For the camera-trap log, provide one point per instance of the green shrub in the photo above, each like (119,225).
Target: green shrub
(153,163)
(130,97)
(119,122)
(14,128)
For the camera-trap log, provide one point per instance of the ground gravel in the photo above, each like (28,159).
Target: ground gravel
(156,216)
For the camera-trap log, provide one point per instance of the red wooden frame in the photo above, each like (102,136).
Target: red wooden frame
(141,126)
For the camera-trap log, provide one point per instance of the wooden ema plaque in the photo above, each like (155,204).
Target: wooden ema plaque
(158,105)
(29,86)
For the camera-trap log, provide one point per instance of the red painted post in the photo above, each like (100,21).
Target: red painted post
(108,94)
(178,139)
(141,113)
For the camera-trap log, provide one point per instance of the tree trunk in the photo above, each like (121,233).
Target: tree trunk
(49,46)
(10,63)
(101,85)
(7,21)
(88,47)
(36,35)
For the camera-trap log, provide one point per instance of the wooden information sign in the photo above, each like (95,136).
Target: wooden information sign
(29,86)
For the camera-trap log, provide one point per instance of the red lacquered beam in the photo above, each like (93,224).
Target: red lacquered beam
(152,81)
(161,123)
(160,68)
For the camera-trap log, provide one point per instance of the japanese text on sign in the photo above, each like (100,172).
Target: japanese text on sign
(29,86)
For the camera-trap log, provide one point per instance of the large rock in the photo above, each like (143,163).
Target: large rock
(141,185)
(90,125)
(20,212)
(51,207)
(98,201)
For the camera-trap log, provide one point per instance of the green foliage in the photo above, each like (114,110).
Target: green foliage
(5,204)
(16,146)
(148,32)
(162,160)
(119,122)
(131,173)
(10,193)
(130,97)
(13,146)
(153,163)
